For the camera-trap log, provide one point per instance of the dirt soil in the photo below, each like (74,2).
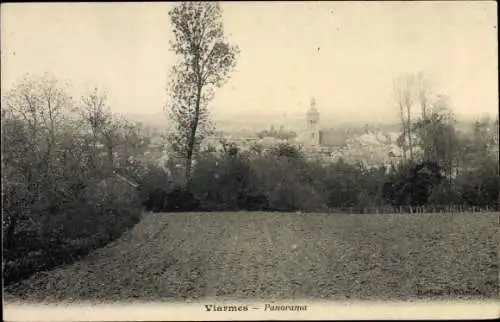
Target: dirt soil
(195,256)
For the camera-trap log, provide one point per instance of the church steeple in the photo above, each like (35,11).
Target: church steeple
(312,123)
(312,109)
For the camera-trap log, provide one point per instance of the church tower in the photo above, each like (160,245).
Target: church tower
(312,124)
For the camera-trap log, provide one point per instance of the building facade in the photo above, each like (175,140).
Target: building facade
(320,140)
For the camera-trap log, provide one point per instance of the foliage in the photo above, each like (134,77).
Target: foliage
(59,200)
(280,134)
(412,184)
(436,135)
(479,186)
(285,183)
(286,150)
(205,60)
(282,179)
(224,183)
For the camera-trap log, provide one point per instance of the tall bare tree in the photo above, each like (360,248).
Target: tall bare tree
(423,93)
(423,97)
(403,92)
(205,59)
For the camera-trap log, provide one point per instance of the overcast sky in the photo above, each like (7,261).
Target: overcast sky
(345,54)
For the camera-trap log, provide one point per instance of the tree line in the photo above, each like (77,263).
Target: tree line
(283,179)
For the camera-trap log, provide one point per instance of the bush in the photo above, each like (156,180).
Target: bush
(286,150)
(225,183)
(159,193)
(443,194)
(342,184)
(480,187)
(286,184)
(80,223)
(180,199)
(154,200)
(413,184)
(58,199)
(153,188)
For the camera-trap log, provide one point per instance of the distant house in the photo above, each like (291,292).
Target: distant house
(368,147)
(332,139)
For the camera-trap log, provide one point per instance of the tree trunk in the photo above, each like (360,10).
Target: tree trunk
(403,124)
(410,141)
(111,158)
(194,127)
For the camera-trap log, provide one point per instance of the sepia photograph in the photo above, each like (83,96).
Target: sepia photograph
(250,160)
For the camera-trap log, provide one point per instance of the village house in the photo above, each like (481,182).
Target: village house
(372,148)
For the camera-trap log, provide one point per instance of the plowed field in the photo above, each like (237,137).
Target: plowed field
(194,256)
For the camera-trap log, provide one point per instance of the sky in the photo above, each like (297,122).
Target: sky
(344,54)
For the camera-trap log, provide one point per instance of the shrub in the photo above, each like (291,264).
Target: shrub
(180,199)
(160,193)
(413,184)
(286,150)
(80,223)
(154,200)
(342,184)
(480,187)
(153,188)
(58,199)
(225,183)
(442,194)
(285,183)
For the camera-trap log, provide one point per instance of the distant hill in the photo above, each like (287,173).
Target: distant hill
(252,123)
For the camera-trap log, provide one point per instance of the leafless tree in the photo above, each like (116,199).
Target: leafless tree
(403,92)
(423,93)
